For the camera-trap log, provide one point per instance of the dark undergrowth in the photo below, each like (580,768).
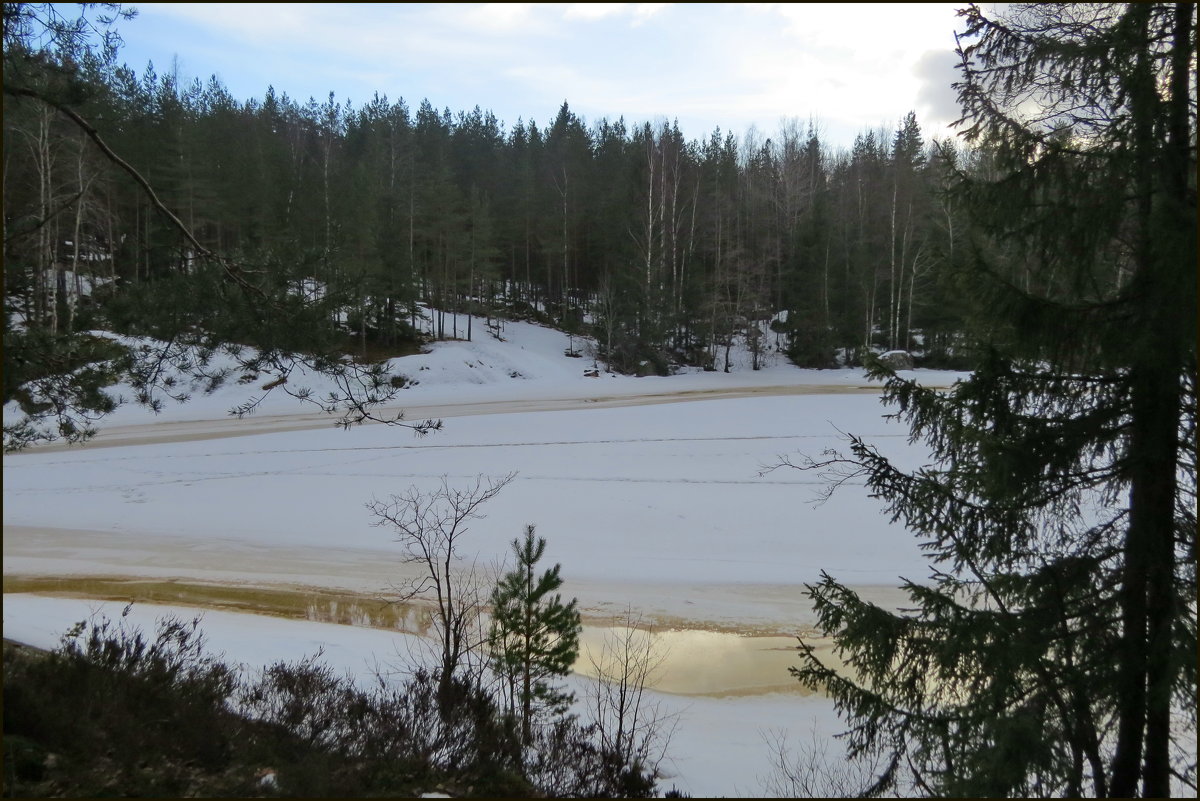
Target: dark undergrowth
(114,712)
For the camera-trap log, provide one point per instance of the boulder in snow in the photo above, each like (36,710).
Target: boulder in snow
(897,360)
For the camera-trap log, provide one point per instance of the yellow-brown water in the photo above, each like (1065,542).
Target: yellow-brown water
(690,661)
(295,603)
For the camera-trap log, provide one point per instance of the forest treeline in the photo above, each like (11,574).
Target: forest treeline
(662,248)
(1052,649)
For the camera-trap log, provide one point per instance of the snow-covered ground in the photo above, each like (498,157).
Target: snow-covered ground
(720,746)
(527,365)
(652,493)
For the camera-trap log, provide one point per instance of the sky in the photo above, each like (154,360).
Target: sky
(849,67)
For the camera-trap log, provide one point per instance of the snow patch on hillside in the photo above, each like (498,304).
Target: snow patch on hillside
(529,361)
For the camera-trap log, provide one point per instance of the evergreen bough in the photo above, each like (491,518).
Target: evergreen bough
(1054,650)
(534,636)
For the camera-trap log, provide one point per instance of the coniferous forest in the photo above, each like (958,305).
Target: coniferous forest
(661,248)
(1052,650)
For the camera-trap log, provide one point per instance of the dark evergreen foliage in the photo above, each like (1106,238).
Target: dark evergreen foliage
(663,250)
(534,636)
(1054,652)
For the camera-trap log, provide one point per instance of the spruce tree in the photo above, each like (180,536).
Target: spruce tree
(534,636)
(1054,651)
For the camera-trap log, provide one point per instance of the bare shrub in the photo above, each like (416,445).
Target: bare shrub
(632,728)
(308,701)
(115,709)
(809,770)
(430,527)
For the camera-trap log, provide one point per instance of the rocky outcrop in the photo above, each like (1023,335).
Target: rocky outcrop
(897,360)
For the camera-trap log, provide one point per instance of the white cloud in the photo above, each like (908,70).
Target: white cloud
(246,22)
(590,12)
(853,66)
(594,11)
(498,17)
(936,70)
(644,11)
(857,66)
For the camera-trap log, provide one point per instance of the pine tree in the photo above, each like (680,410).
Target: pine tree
(534,635)
(1055,651)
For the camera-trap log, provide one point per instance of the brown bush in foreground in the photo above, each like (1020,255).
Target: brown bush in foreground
(113,712)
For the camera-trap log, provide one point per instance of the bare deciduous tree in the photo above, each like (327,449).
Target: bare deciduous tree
(630,726)
(430,527)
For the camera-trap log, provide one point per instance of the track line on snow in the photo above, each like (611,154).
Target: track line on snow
(464,445)
(195,430)
(307,472)
(598,479)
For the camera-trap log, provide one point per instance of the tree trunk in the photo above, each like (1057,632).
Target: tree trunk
(1176,262)
(893,285)
(527,661)
(1148,592)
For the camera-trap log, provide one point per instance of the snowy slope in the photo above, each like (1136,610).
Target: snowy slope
(529,363)
(664,509)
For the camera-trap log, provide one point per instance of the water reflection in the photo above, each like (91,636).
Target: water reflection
(704,662)
(690,661)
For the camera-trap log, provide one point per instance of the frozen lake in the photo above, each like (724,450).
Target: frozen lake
(654,496)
